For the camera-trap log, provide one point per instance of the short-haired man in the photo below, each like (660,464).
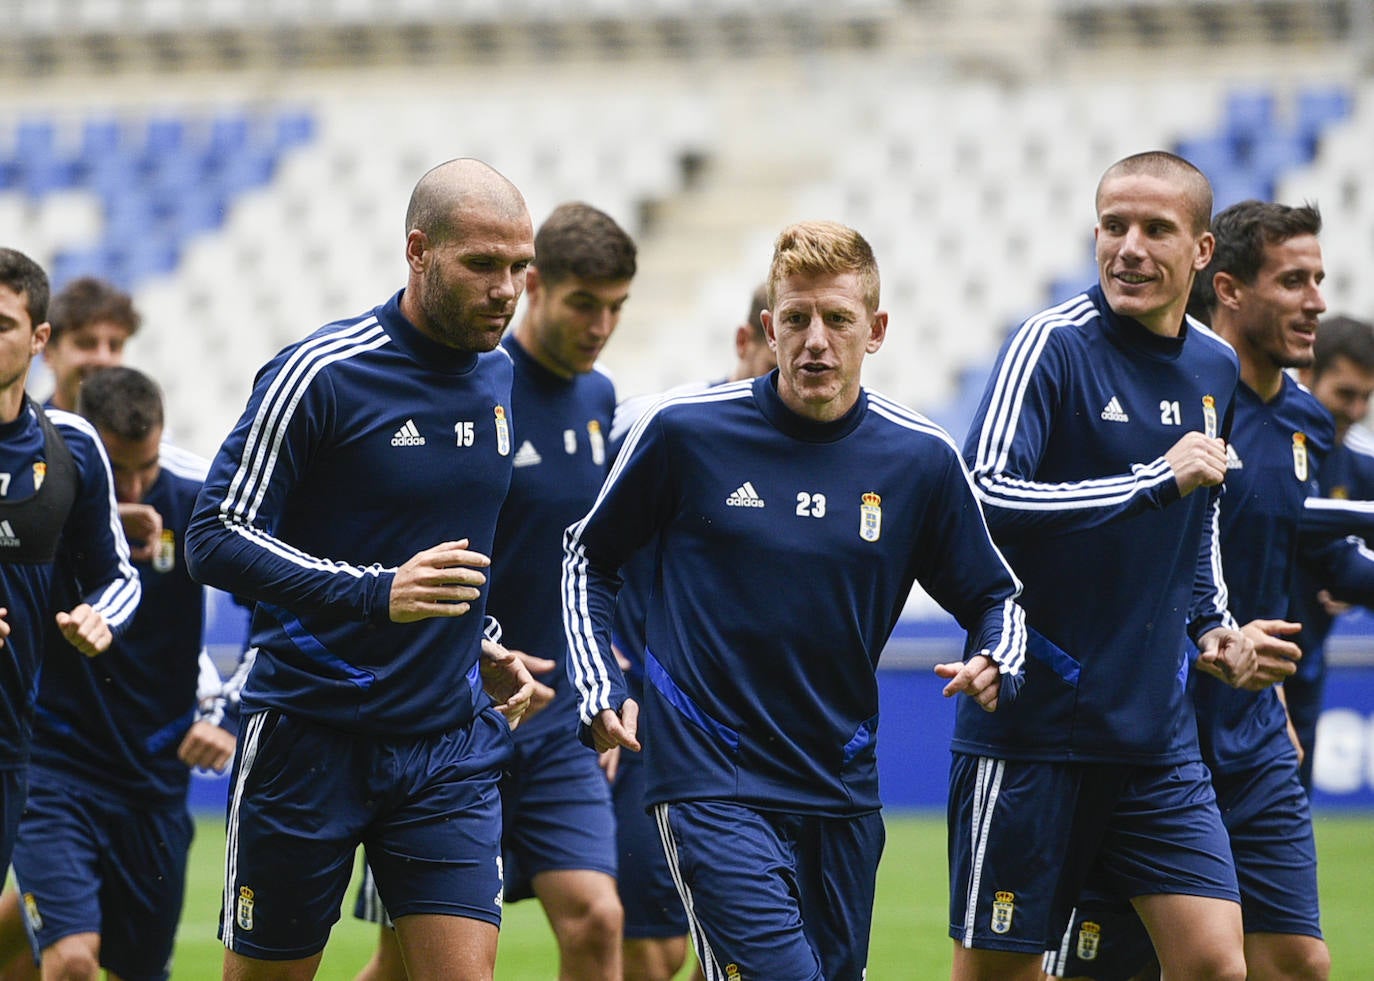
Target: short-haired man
(789,515)
(55,488)
(655,921)
(1093,451)
(1341,377)
(101,857)
(355,503)
(91,322)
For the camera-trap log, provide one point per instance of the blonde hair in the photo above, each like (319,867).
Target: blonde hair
(822,248)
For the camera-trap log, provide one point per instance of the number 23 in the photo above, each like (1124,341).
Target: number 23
(810,505)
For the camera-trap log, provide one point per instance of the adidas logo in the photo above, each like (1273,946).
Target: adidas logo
(744,497)
(8,539)
(1113,412)
(408,435)
(526,456)
(1233,460)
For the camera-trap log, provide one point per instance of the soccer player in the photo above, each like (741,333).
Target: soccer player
(1341,377)
(555,800)
(91,322)
(55,487)
(355,503)
(1093,449)
(1262,293)
(655,923)
(101,856)
(789,516)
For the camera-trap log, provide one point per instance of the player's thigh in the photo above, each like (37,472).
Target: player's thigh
(59,863)
(441,948)
(578,901)
(299,799)
(653,908)
(437,848)
(654,958)
(1269,821)
(738,877)
(558,813)
(1194,936)
(1286,957)
(838,873)
(143,890)
(1010,825)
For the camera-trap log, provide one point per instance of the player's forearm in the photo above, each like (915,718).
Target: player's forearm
(1329,517)
(1015,505)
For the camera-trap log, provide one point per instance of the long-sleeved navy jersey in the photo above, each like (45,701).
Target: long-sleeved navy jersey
(786,551)
(1067,453)
(114,723)
(560,437)
(1347,475)
(361,446)
(92,549)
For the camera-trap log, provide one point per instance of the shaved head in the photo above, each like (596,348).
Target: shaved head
(457,188)
(1166,166)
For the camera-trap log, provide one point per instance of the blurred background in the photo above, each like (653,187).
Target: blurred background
(242,166)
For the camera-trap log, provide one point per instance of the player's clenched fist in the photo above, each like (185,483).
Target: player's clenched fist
(1197,461)
(439,582)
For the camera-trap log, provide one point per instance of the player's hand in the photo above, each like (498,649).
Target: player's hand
(1197,461)
(609,762)
(535,665)
(1227,655)
(1331,605)
(85,629)
(978,677)
(506,681)
(206,746)
(142,523)
(611,729)
(1275,658)
(4,625)
(439,582)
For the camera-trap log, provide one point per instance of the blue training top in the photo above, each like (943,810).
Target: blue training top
(1347,476)
(361,446)
(93,553)
(1067,452)
(786,551)
(561,434)
(113,724)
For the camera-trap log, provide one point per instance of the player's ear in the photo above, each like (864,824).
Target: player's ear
(877,332)
(417,244)
(769,334)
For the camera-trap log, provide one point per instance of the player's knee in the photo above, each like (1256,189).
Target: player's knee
(597,924)
(1309,961)
(653,959)
(76,961)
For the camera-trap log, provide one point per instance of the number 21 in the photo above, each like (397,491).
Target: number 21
(1169,413)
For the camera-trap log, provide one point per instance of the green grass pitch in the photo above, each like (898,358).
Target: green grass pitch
(909,938)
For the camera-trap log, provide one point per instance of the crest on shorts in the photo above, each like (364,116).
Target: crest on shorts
(502,432)
(1089,940)
(243,914)
(1003,905)
(870,517)
(31,913)
(732,972)
(1300,456)
(1209,416)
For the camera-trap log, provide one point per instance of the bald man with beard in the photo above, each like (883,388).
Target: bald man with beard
(355,503)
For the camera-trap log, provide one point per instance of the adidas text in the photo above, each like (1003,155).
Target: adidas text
(408,435)
(744,497)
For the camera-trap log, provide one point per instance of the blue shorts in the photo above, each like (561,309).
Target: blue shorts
(14,787)
(1266,814)
(1270,823)
(556,805)
(653,907)
(303,797)
(1023,836)
(772,895)
(87,864)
